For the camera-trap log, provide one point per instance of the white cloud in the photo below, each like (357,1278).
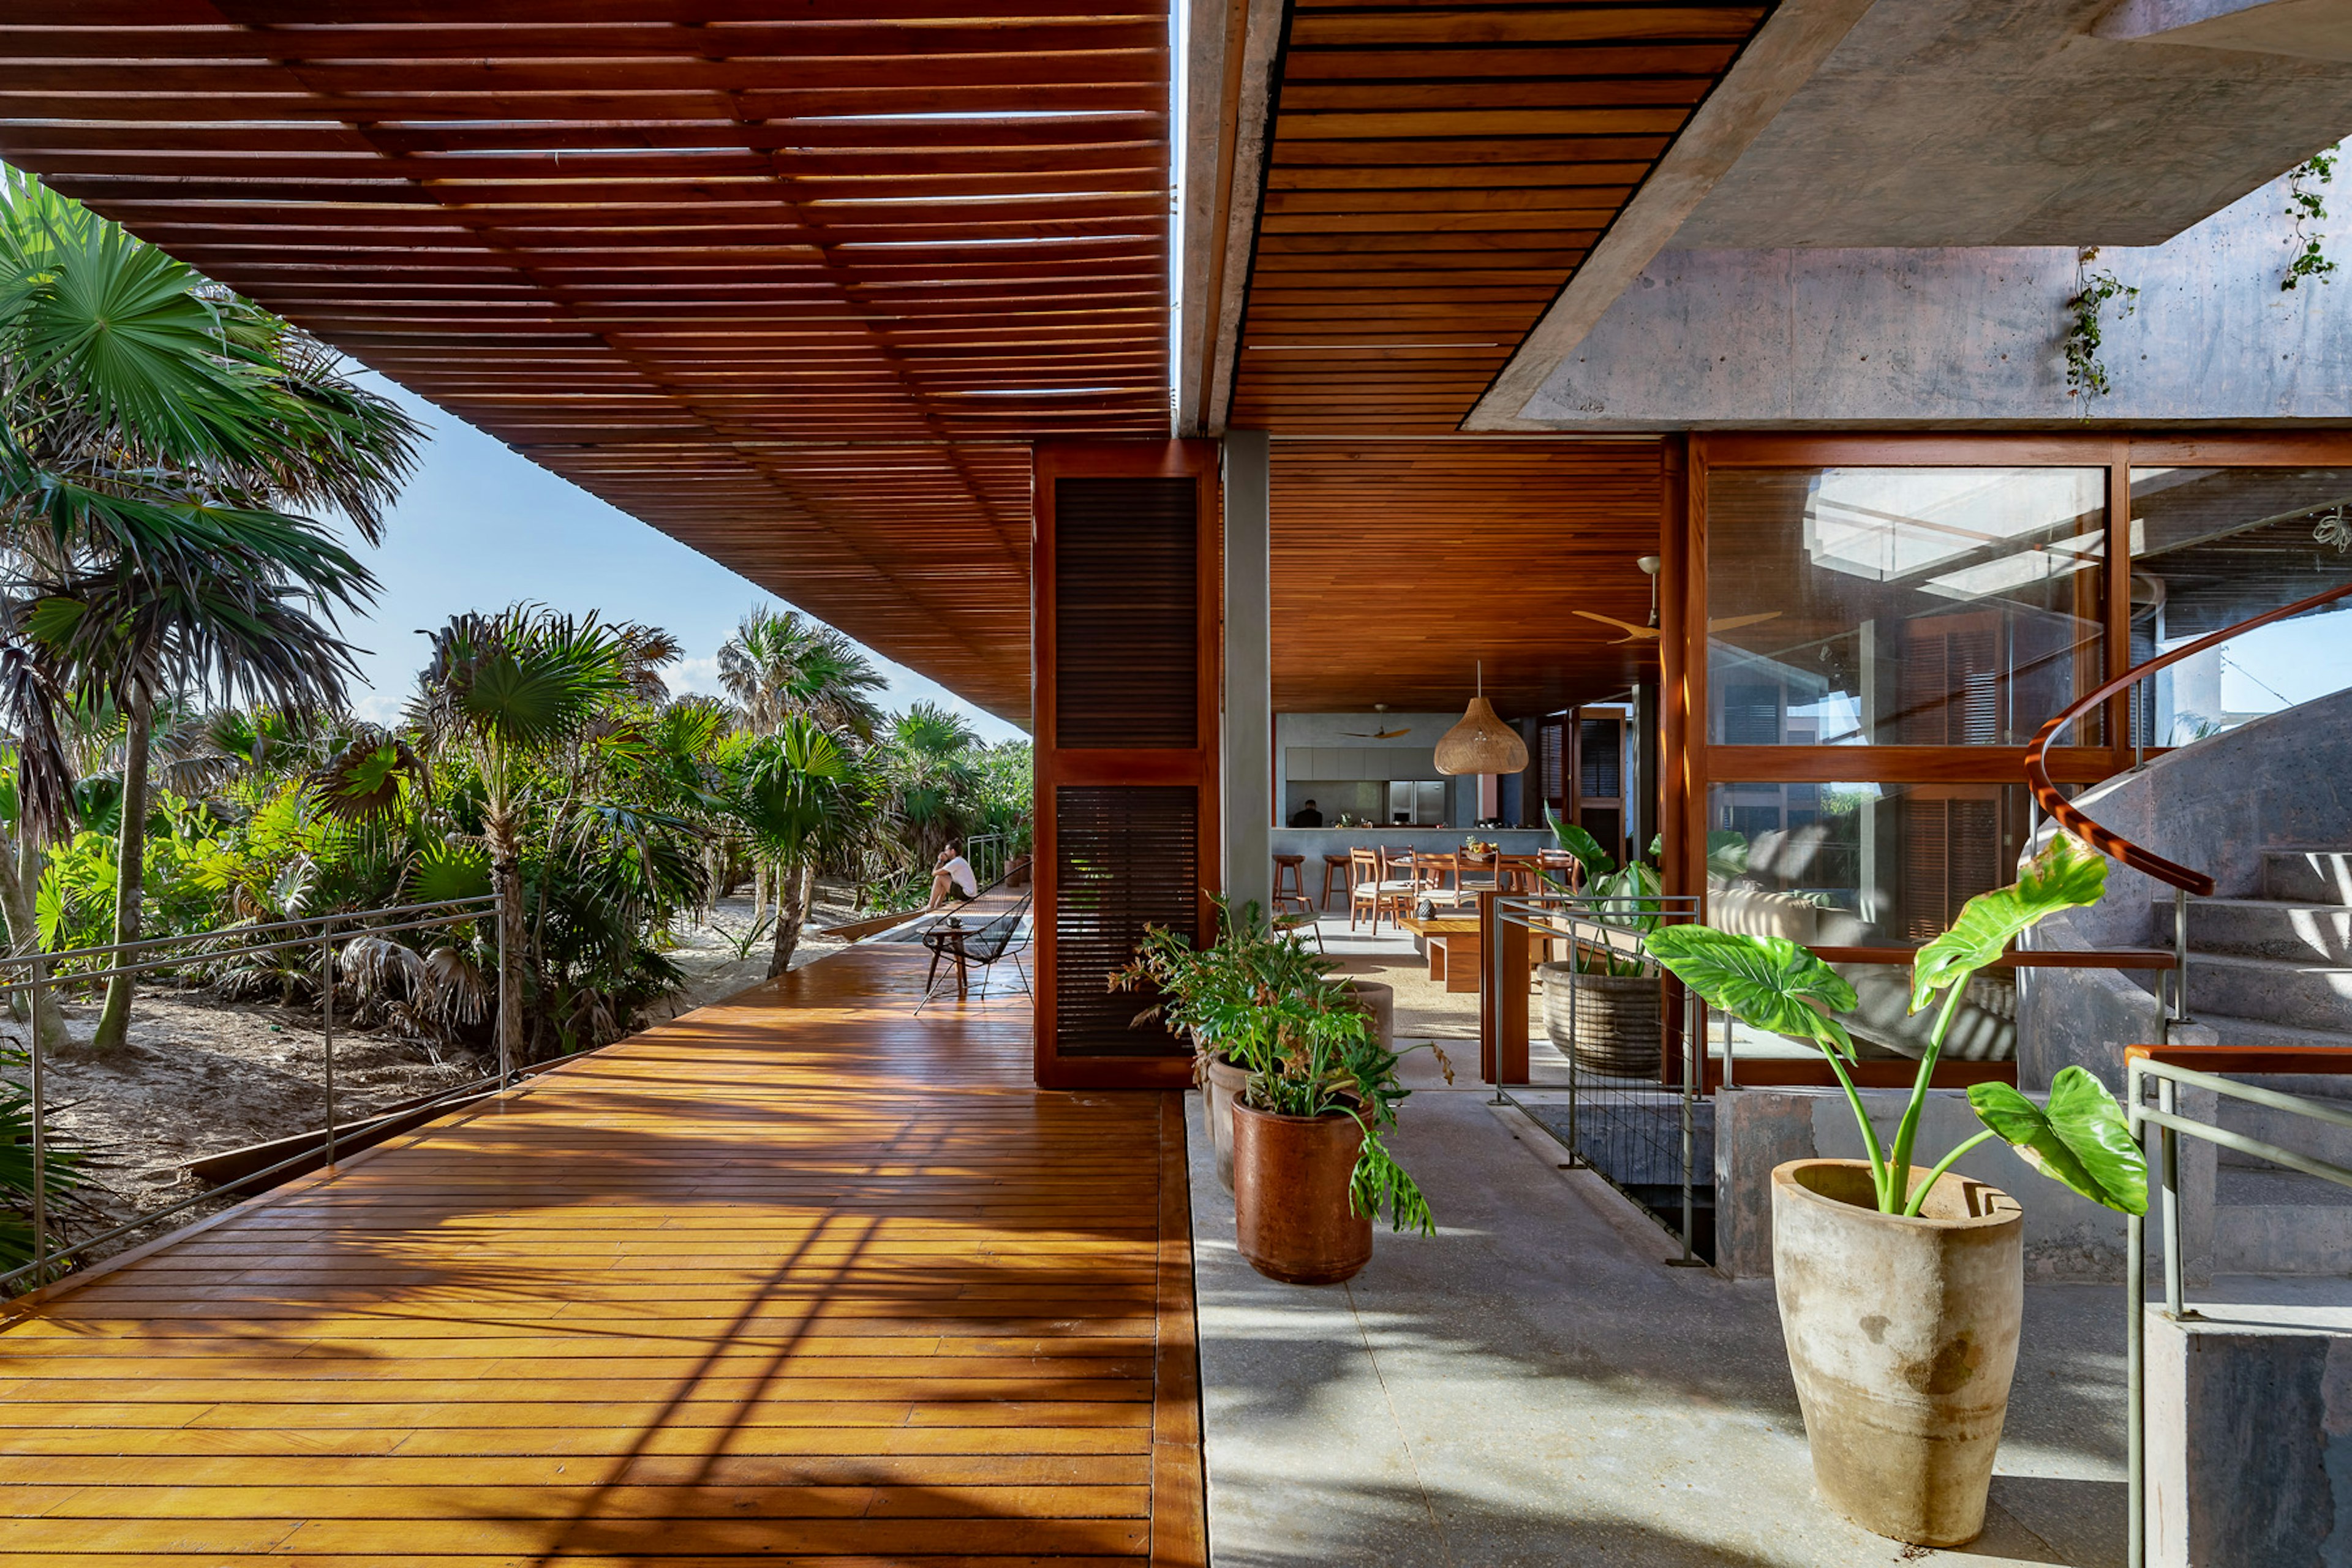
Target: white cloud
(694,677)
(379,707)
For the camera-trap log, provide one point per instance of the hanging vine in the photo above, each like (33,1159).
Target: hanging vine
(2334,527)
(2307,205)
(2086,373)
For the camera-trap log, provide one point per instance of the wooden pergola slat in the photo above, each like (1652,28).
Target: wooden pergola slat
(796,284)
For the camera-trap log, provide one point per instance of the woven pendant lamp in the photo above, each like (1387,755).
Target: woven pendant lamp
(1481,744)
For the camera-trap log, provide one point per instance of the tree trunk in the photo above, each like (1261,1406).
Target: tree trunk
(130,874)
(506,880)
(24,919)
(794,885)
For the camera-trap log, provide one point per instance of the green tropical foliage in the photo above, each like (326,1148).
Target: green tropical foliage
(1259,999)
(2080,1138)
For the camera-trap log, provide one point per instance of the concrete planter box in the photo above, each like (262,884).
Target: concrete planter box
(1902,1337)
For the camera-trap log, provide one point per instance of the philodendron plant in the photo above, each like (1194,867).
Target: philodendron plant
(2080,1138)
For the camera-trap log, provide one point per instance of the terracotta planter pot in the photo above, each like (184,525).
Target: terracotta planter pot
(1291,1219)
(1016,874)
(1223,1086)
(1902,1334)
(1617,1027)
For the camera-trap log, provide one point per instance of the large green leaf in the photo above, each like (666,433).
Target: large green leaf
(444,873)
(1596,862)
(1766,981)
(2082,1140)
(2066,876)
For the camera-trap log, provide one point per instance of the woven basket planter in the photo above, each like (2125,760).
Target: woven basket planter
(1617,1020)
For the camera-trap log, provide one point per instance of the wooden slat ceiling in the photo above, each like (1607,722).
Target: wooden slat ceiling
(792,280)
(1398,564)
(1436,174)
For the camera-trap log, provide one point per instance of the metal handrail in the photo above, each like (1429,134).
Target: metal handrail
(2070,818)
(40,980)
(2164,1065)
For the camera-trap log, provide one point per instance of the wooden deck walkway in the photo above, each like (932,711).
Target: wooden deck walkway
(797,1278)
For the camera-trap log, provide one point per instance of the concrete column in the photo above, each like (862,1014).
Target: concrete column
(1248,729)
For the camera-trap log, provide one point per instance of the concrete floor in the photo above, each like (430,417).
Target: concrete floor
(1533,1386)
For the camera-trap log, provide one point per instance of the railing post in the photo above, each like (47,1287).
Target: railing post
(2179,956)
(2135,1345)
(40,1123)
(2168,1172)
(1575,1149)
(327,1023)
(499,1003)
(1694,1049)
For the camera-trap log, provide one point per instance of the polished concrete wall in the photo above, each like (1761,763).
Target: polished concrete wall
(2250,1437)
(1780,337)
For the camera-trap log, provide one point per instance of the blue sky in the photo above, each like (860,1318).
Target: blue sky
(480,528)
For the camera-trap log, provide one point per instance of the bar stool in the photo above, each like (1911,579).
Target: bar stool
(1290,883)
(1336,865)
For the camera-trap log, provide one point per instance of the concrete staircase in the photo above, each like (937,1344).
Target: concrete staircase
(2276,970)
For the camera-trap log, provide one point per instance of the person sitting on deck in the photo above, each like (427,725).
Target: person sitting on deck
(1307,817)
(952,871)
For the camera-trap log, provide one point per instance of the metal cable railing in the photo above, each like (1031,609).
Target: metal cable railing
(145,957)
(2183,880)
(1623,1118)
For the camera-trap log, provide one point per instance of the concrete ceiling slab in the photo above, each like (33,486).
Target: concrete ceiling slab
(2010,122)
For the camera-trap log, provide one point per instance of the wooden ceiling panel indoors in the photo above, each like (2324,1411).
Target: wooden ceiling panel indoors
(1397,565)
(1434,176)
(795,283)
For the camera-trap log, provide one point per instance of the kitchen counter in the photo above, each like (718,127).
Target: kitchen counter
(1317,842)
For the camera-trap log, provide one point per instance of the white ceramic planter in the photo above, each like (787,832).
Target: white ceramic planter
(1902,1335)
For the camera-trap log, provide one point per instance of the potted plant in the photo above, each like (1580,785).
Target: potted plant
(1299,1090)
(1901,1290)
(1613,1026)
(1208,993)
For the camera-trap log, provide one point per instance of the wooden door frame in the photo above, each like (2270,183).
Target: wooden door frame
(1198,767)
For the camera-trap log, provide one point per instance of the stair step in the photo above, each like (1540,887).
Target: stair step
(2266,928)
(2234,1030)
(2309,996)
(2285,1129)
(2281,1221)
(2308,875)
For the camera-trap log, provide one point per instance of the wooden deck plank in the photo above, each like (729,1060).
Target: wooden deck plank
(797,1275)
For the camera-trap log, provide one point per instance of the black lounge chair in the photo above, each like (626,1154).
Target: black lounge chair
(961,948)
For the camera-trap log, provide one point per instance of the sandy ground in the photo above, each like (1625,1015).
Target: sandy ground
(199,1076)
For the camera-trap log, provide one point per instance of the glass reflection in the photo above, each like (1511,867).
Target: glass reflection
(2212,547)
(1901,606)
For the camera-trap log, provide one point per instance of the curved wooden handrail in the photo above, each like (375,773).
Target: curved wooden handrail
(2066,814)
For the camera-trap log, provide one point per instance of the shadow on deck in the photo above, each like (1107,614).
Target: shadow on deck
(797,1273)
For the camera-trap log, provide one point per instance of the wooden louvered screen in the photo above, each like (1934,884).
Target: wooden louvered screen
(1126,614)
(1952,850)
(1127,572)
(1125,857)
(1551,764)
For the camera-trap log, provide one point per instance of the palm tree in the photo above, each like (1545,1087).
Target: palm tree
(779,664)
(505,692)
(931,780)
(801,797)
(154,429)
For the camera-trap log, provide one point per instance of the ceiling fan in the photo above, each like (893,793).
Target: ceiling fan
(1636,634)
(1380,708)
